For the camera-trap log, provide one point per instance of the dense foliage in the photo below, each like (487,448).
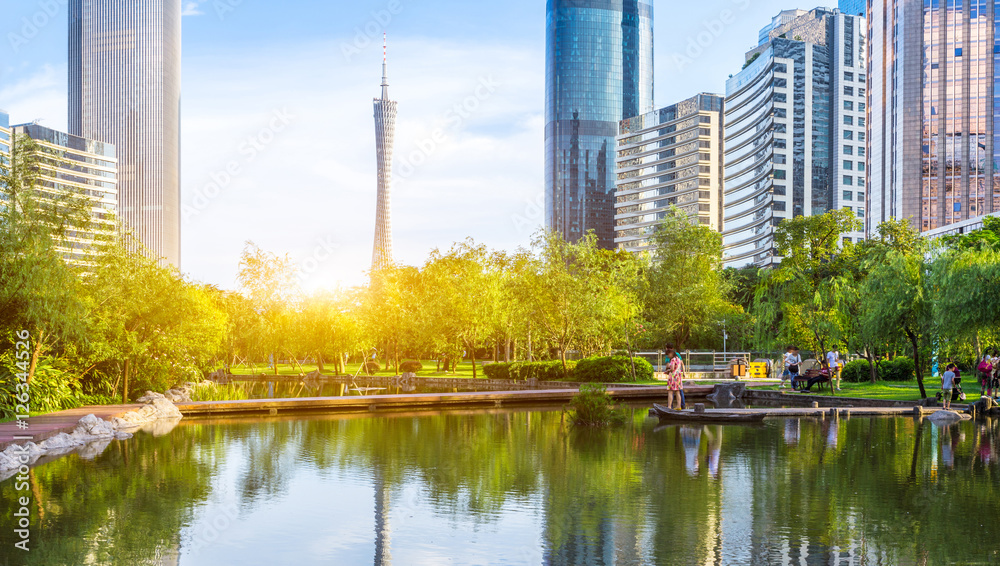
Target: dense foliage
(592,406)
(612,369)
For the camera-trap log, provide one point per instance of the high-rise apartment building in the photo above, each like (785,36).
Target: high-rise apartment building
(75,167)
(794,132)
(124,89)
(933,119)
(669,157)
(385,131)
(853,7)
(598,71)
(4,135)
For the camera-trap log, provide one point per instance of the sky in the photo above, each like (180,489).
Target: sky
(281,94)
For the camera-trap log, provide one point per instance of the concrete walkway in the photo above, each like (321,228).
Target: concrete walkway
(45,426)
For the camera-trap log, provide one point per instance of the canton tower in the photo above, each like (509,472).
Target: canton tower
(385,129)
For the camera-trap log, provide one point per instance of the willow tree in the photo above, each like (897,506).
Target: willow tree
(803,298)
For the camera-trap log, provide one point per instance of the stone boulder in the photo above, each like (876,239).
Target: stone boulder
(178,396)
(90,425)
(727,395)
(947,417)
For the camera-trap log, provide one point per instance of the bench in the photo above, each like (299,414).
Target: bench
(803,379)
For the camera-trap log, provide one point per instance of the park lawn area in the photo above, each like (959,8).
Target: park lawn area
(430,370)
(893,391)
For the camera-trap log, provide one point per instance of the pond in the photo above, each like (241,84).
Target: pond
(520,487)
(295,388)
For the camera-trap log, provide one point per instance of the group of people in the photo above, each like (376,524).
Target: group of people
(989,374)
(793,360)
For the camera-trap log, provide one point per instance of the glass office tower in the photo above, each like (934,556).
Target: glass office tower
(124,89)
(935,110)
(598,71)
(853,7)
(4,135)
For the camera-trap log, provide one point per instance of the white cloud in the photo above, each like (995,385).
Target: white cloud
(39,96)
(314,183)
(192,8)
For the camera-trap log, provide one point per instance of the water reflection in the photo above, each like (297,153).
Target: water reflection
(522,488)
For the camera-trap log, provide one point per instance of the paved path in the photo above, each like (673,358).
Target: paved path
(44,426)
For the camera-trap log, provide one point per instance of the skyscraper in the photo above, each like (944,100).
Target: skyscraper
(124,89)
(795,138)
(385,130)
(934,91)
(853,7)
(669,157)
(598,71)
(4,136)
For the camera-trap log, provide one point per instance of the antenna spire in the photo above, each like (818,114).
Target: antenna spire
(385,58)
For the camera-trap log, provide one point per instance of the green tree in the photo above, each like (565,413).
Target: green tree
(268,280)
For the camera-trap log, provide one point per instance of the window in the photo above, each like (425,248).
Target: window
(848,180)
(861,165)
(848,150)
(780,113)
(704,132)
(705,168)
(705,156)
(848,165)
(779,144)
(780,158)
(848,77)
(780,83)
(780,97)
(848,91)
(861,151)
(861,107)
(704,144)
(861,212)
(861,136)
(848,195)
(780,128)
(705,119)
(861,92)
(861,181)
(848,105)
(778,190)
(848,135)
(779,174)
(861,122)
(780,68)
(704,194)
(704,182)
(779,205)
(848,120)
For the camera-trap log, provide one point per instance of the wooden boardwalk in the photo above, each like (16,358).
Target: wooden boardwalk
(45,426)
(415,401)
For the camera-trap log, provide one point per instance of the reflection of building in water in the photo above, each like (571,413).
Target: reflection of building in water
(383,530)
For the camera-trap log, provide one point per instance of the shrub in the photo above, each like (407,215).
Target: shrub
(542,371)
(51,389)
(612,369)
(370,367)
(594,407)
(856,372)
(900,368)
(209,391)
(410,366)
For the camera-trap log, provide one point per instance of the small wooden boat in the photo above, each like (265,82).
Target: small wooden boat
(672,415)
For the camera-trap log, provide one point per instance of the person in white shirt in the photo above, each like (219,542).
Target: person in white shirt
(835,364)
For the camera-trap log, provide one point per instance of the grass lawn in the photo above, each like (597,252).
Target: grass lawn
(430,370)
(895,391)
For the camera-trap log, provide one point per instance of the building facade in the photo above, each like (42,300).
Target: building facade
(598,71)
(385,131)
(668,157)
(794,123)
(75,167)
(853,7)
(124,90)
(934,100)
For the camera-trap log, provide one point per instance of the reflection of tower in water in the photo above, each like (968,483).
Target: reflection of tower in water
(383,531)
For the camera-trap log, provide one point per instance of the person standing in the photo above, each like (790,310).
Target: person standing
(985,370)
(947,382)
(675,378)
(834,364)
(792,361)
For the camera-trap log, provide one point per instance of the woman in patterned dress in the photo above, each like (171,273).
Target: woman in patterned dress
(675,381)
